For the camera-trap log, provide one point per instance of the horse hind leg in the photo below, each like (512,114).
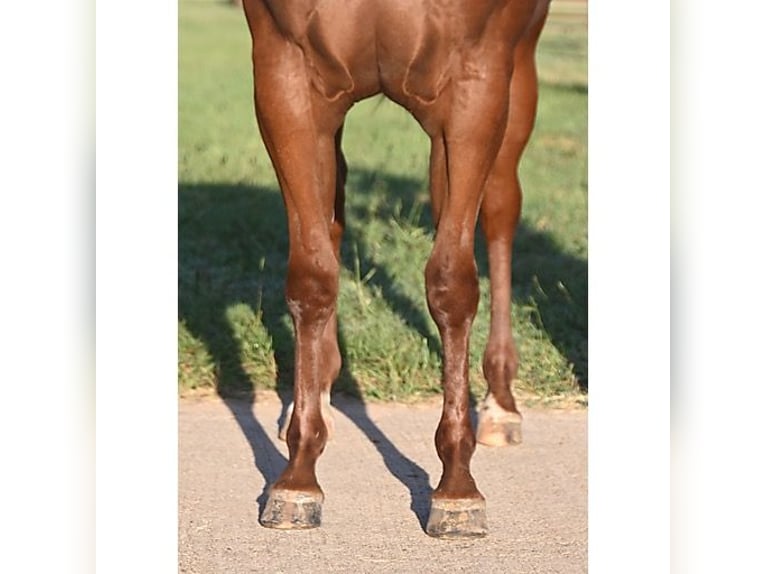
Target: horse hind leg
(499,419)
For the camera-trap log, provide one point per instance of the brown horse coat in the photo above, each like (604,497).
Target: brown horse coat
(465,69)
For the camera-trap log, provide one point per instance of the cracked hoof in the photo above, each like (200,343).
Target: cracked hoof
(292,510)
(498,427)
(462,518)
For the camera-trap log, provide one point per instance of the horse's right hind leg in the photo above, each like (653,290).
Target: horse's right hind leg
(499,418)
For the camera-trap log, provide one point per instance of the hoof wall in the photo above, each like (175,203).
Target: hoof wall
(490,433)
(466,518)
(292,510)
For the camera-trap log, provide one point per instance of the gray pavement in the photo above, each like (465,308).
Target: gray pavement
(376,475)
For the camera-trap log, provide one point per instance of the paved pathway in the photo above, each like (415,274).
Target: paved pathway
(376,474)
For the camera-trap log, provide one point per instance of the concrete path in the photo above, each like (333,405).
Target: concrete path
(377,474)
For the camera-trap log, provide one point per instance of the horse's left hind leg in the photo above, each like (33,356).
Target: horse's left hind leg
(499,418)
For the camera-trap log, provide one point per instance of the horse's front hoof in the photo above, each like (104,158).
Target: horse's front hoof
(497,427)
(462,518)
(292,510)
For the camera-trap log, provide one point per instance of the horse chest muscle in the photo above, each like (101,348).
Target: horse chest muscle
(408,49)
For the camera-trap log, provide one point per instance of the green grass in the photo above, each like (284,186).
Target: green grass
(234,330)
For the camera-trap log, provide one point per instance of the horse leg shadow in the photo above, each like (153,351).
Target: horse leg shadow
(403,468)
(235,389)
(266,457)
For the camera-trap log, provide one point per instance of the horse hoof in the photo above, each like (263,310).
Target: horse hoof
(292,510)
(498,433)
(497,427)
(462,518)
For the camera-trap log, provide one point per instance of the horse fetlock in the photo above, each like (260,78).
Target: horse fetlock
(327,417)
(500,365)
(455,441)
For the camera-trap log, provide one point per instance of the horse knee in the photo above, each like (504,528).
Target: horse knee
(312,287)
(452,289)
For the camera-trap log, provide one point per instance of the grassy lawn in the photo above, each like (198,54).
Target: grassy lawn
(234,330)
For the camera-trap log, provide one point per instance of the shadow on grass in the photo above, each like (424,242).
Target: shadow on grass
(230,234)
(553,281)
(574,87)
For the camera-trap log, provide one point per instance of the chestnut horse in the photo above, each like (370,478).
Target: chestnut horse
(465,69)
